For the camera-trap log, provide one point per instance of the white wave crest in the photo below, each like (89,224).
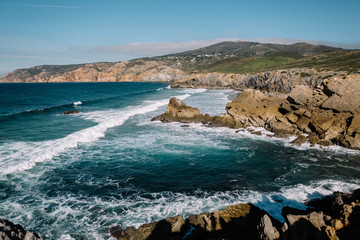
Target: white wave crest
(19,156)
(77,103)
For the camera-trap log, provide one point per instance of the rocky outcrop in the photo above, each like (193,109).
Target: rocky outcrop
(302,111)
(282,81)
(11,231)
(178,111)
(333,217)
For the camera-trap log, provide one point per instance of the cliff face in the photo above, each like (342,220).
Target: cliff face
(126,71)
(282,81)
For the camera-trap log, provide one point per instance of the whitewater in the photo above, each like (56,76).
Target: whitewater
(75,176)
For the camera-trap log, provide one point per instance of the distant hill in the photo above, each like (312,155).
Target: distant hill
(250,49)
(227,57)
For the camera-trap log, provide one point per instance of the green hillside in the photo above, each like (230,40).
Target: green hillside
(333,61)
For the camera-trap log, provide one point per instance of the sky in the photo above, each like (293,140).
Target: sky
(38,32)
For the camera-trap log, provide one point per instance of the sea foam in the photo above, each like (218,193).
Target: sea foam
(20,156)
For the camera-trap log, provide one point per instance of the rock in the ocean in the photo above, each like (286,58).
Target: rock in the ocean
(71,112)
(11,231)
(178,111)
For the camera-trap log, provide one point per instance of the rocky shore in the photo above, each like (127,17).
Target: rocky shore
(328,114)
(333,217)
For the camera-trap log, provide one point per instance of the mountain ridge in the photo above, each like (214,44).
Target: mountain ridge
(168,68)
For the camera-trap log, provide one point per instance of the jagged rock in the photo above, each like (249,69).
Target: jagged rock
(178,111)
(11,231)
(266,229)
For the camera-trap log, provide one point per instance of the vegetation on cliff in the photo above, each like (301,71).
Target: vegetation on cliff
(225,57)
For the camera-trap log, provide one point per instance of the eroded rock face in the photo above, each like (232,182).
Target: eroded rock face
(11,231)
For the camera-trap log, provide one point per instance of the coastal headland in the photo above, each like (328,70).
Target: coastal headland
(308,91)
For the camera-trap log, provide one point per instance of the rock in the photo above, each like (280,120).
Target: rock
(292,118)
(266,230)
(302,123)
(354,125)
(313,139)
(259,133)
(299,140)
(178,111)
(71,112)
(10,231)
(280,125)
(300,112)
(343,94)
(301,95)
(336,216)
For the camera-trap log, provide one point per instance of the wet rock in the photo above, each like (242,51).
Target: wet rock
(259,133)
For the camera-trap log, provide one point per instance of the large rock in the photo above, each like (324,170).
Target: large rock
(178,111)
(11,231)
(344,94)
(301,95)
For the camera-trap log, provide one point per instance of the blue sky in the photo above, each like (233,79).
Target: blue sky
(36,32)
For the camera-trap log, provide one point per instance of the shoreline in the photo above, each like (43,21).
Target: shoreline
(330,217)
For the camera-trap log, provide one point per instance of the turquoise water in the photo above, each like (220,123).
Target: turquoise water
(75,176)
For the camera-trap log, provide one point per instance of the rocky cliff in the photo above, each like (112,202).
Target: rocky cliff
(333,217)
(326,114)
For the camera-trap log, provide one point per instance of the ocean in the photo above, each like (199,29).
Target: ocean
(75,176)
